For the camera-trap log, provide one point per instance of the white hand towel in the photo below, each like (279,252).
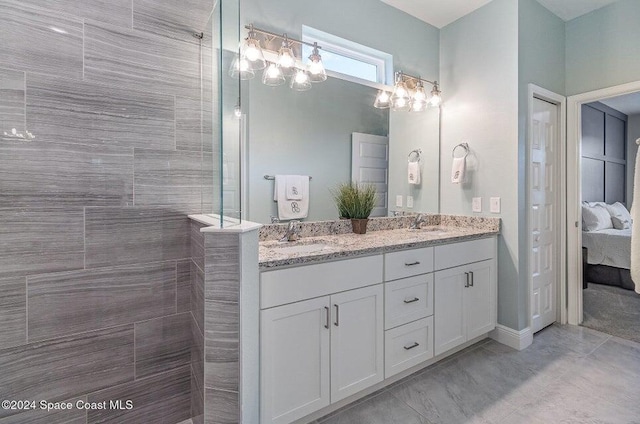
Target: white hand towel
(458,170)
(294,186)
(413,172)
(635,228)
(291,209)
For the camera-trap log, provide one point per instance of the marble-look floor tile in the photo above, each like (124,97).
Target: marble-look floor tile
(41,174)
(77,301)
(382,409)
(38,39)
(13,311)
(161,399)
(117,12)
(163,344)
(38,416)
(64,110)
(141,60)
(183,286)
(66,367)
(116,236)
(170,19)
(12,101)
(40,240)
(188,124)
(172,179)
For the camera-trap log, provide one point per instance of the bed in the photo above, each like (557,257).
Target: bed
(608,257)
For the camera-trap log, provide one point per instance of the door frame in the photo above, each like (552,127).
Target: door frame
(537,92)
(574,190)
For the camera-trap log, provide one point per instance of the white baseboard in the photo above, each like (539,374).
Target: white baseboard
(513,338)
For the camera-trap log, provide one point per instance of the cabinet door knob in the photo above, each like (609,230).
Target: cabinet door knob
(412,263)
(466,283)
(326,309)
(415,299)
(337,323)
(415,344)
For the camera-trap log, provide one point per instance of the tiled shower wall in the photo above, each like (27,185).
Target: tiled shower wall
(95,251)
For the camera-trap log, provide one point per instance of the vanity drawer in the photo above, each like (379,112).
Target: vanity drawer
(407,300)
(407,346)
(455,254)
(407,263)
(289,285)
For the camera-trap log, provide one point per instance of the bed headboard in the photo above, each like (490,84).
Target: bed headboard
(603,147)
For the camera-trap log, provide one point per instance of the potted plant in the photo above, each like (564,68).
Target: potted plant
(355,201)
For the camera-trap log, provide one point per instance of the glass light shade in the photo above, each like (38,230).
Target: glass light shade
(436,98)
(419,99)
(383,100)
(301,81)
(317,72)
(272,76)
(252,52)
(286,60)
(400,99)
(237,112)
(240,68)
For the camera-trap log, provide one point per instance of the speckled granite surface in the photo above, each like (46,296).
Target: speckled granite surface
(334,240)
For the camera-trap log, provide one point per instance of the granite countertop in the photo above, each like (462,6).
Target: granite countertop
(309,250)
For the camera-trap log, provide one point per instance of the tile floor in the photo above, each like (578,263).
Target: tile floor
(569,375)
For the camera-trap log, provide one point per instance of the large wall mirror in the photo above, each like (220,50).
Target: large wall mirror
(312,132)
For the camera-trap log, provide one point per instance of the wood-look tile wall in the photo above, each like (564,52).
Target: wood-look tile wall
(96,276)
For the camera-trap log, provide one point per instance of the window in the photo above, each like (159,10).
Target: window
(349,59)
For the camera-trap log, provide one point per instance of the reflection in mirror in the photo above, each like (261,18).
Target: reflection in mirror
(311,133)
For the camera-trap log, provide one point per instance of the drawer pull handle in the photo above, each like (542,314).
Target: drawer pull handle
(466,283)
(326,325)
(412,263)
(415,344)
(415,299)
(337,323)
(471,279)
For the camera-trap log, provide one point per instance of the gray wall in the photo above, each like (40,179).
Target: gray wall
(541,61)
(94,234)
(310,132)
(602,48)
(633,133)
(479,68)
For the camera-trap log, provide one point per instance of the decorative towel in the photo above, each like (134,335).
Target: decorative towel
(291,209)
(294,186)
(413,172)
(458,170)
(635,228)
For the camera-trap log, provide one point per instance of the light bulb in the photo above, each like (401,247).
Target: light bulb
(400,103)
(384,97)
(285,60)
(316,67)
(237,112)
(301,77)
(252,53)
(272,76)
(382,100)
(435,100)
(273,71)
(300,82)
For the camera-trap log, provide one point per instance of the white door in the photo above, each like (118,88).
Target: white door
(479,299)
(357,345)
(294,366)
(449,328)
(370,164)
(543,221)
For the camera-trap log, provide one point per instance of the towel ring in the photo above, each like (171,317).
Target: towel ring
(465,146)
(417,152)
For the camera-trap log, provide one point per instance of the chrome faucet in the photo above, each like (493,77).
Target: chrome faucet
(293,231)
(419,220)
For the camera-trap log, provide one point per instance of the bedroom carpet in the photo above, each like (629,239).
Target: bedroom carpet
(612,310)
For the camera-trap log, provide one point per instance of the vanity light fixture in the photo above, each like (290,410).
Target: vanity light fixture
(409,94)
(276,54)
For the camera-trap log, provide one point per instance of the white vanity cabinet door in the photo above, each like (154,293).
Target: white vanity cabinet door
(465,304)
(480,300)
(449,314)
(294,351)
(357,344)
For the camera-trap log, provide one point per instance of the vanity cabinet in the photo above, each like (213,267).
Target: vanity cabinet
(318,351)
(465,295)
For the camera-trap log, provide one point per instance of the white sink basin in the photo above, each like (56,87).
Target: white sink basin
(302,248)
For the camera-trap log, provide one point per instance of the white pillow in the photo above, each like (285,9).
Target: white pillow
(595,218)
(620,216)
